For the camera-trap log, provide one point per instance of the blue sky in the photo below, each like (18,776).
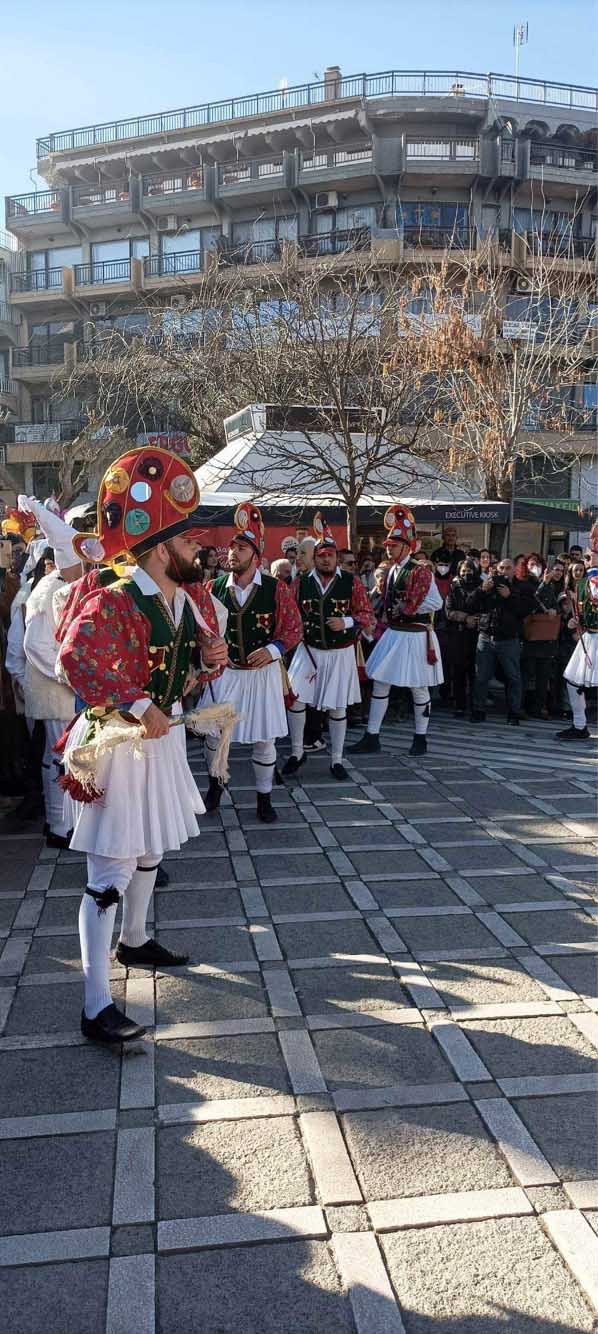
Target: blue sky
(67,64)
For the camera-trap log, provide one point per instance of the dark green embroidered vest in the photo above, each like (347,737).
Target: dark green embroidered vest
(170,647)
(252,625)
(316,607)
(588,608)
(395,592)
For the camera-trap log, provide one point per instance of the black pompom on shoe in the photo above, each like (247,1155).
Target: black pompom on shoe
(293,764)
(111,1026)
(265,809)
(338,771)
(213,796)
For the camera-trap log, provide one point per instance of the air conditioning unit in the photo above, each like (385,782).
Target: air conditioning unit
(98,308)
(179,302)
(167,224)
(523,285)
(326,199)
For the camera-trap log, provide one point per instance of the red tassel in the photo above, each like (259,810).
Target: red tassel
(432,656)
(289,699)
(63,738)
(77,791)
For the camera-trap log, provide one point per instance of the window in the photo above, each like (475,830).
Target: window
(46,479)
(433,214)
(181,251)
(64,257)
(350,219)
(140,247)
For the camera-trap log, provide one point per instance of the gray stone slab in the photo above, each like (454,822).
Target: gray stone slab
(14,955)
(474,982)
(192,1070)
(134,1176)
(292,867)
(191,904)
(367,1283)
(298,838)
(527,1163)
(580,972)
(564,1128)
(478,1275)
(425,1150)
(68,1296)
(227,1109)
(335,1179)
(499,889)
(54,1183)
(563,927)
(131,1295)
(578,1246)
(399,1095)
(414,894)
(580,855)
(368,864)
(463,932)
(307,940)
(54,954)
(489,855)
(209,944)
(234,1288)
(207,996)
(462,1056)
(540,1046)
(137,1079)
(356,987)
(50,1009)
(305,899)
(231,1166)
(302,1063)
(387,1054)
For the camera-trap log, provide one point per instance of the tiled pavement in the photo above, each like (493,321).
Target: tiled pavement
(370,1104)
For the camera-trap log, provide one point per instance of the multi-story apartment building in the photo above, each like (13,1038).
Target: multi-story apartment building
(390,163)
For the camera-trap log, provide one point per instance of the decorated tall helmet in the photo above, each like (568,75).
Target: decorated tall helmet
(324,534)
(19,523)
(400,526)
(249,525)
(145,497)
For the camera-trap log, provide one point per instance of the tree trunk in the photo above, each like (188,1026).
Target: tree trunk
(352,526)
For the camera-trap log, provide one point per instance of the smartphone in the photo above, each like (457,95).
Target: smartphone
(5,553)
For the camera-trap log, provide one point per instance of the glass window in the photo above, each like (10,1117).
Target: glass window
(46,478)
(364,215)
(64,257)
(140,247)
(102,251)
(37,260)
(287,229)
(180,242)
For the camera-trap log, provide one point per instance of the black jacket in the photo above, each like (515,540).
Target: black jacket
(502,618)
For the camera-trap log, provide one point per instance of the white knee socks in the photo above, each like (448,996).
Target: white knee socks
(421,709)
(136,903)
(264,763)
(378,706)
(337,730)
(578,706)
(96,927)
(296,720)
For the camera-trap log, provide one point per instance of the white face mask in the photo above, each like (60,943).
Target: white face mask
(535,570)
(442,569)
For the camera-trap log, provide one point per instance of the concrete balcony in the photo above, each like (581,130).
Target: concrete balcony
(172,271)
(32,216)
(327,168)
(8,324)
(9,394)
(107,277)
(251,179)
(44,433)
(165,193)
(39,287)
(41,363)
(113,203)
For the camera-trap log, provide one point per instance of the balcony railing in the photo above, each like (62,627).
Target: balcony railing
(566,157)
(507,150)
(253,252)
(43,201)
(7,315)
(8,387)
(8,241)
(47,433)
(159,266)
(173,183)
(561,245)
(335,243)
(389,83)
(103,271)
(37,280)
(89,196)
(443,150)
(47,354)
(255,169)
(336,157)
(438,238)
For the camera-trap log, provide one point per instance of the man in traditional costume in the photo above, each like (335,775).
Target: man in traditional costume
(408,653)
(126,651)
(263,624)
(334,608)
(581,672)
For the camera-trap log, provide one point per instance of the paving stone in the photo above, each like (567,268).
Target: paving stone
(371,836)
(335,1179)
(507,889)
(347,1218)
(564,1128)
(367,1283)
(307,898)
(202,871)
(373,1057)
(229,1067)
(15,874)
(489,855)
(54,954)
(262,1289)
(197,903)
(474,982)
(399,1152)
(578,1247)
(132,1239)
(582,1194)
(463,932)
(542,1046)
(547,1197)
(558,926)
(528,1165)
(579,971)
(359,986)
(293,868)
(131,1295)
(209,944)
(306,940)
(62,1182)
(369,864)
(70,1296)
(209,996)
(8,911)
(581,855)
(295,839)
(414,894)
(478,1276)
(229,1166)
(67,1079)
(51,1009)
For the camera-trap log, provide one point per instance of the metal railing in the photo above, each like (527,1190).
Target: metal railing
(159,266)
(173,182)
(9,387)
(253,169)
(45,354)
(89,196)
(36,280)
(443,150)
(561,245)
(507,150)
(253,252)
(8,241)
(48,433)
(437,238)
(7,315)
(566,157)
(103,271)
(390,83)
(322,160)
(42,201)
(335,243)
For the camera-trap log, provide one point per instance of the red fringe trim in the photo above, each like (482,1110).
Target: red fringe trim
(77,791)
(62,740)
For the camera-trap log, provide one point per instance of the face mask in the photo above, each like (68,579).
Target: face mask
(442,569)
(535,570)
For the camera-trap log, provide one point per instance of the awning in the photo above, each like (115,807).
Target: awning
(566,514)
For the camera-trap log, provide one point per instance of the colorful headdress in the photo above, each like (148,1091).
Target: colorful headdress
(249,525)
(20,522)
(400,526)
(594,540)
(145,497)
(324,534)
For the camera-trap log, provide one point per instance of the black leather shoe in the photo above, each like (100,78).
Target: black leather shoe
(265,809)
(573,734)
(110,1025)
(149,955)
(162,878)
(339,771)
(369,745)
(418,746)
(58,840)
(293,764)
(213,796)
(512,720)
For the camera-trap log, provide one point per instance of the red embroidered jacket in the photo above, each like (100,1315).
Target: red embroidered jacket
(105,642)
(416,588)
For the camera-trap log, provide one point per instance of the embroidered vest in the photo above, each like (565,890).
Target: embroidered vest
(395,592)
(170,647)
(316,607)
(252,625)
(587,607)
